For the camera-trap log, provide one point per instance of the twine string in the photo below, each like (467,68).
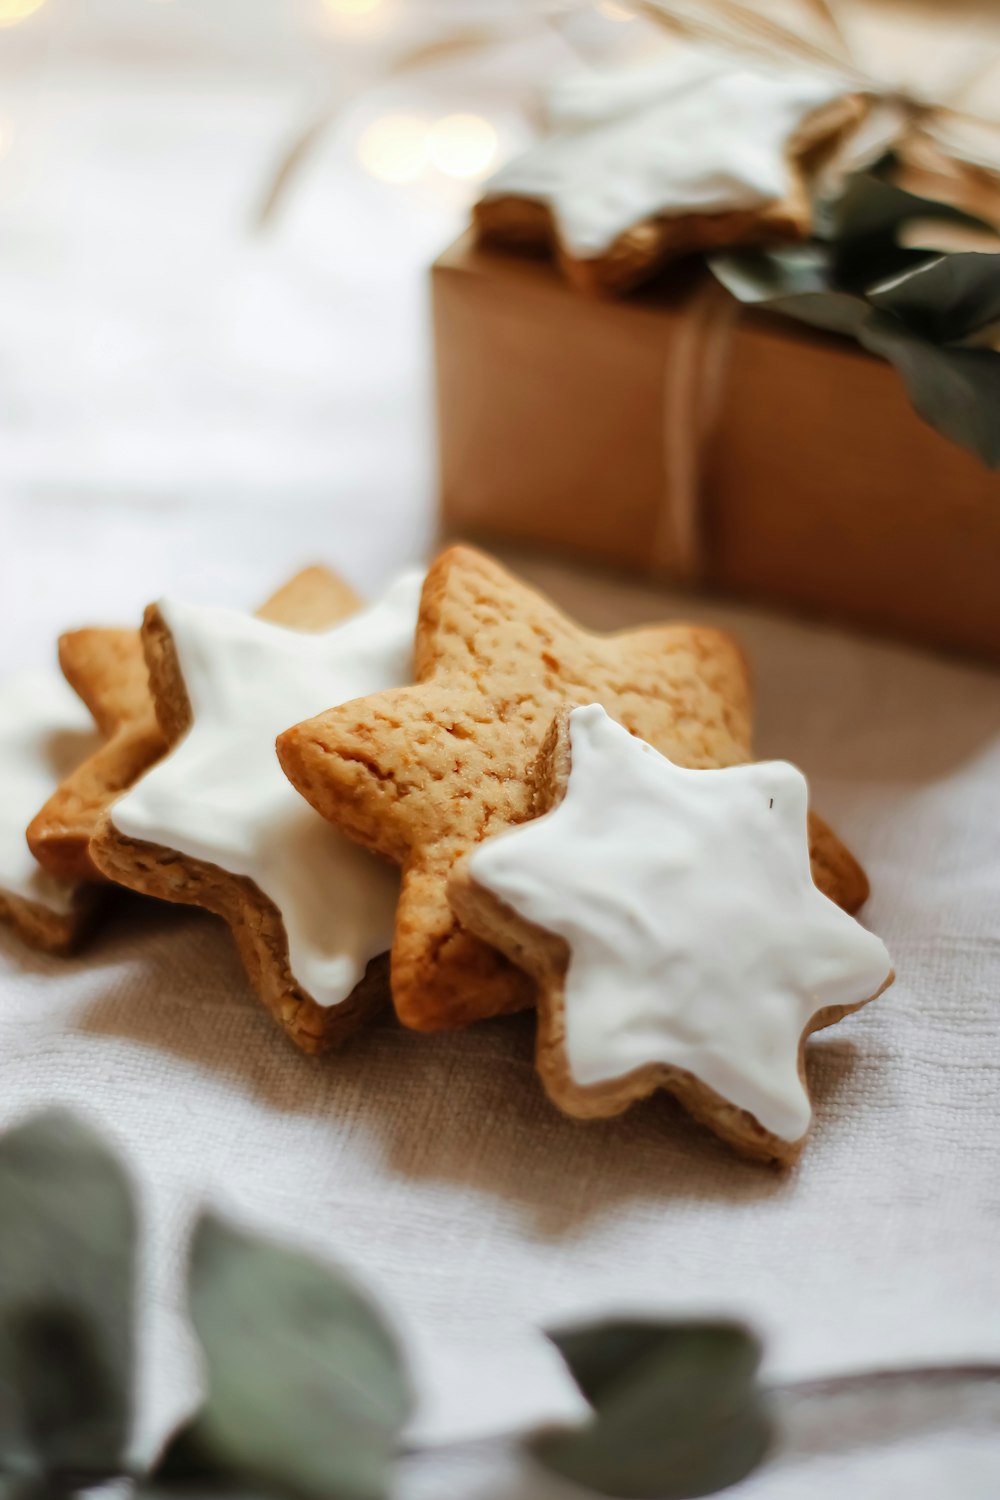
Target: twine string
(695,363)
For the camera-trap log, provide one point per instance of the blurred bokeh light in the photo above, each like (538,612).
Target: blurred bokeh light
(14,11)
(462,145)
(393,148)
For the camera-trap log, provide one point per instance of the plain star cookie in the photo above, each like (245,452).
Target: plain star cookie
(45,732)
(677,936)
(421,774)
(688,153)
(216,824)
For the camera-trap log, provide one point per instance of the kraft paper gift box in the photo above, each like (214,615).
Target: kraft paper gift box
(677,434)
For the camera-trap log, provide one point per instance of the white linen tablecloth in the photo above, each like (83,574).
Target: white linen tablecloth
(187,407)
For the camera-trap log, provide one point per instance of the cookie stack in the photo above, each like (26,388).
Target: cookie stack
(576,818)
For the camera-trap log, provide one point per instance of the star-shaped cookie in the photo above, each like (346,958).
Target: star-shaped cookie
(678,939)
(45,731)
(688,152)
(421,774)
(107,669)
(216,824)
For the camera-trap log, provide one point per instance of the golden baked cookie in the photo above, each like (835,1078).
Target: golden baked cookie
(215,824)
(51,931)
(107,670)
(45,732)
(422,773)
(671,921)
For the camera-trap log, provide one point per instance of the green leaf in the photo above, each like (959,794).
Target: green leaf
(862,226)
(955,390)
(764,275)
(677,1410)
(307,1391)
(67,1294)
(187,1470)
(910,320)
(796,281)
(946,299)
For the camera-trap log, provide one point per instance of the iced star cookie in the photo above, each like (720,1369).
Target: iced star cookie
(675,931)
(421,774)
(45,732)
(687,153)
(216,824)
(107,669)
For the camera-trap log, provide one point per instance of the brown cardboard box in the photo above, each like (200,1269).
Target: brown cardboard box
(674,434)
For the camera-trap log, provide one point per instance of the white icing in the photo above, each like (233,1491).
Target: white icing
(697,936)
(221,796)
(692,133)
(45,732)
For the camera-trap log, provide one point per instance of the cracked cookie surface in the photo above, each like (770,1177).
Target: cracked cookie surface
(421,774)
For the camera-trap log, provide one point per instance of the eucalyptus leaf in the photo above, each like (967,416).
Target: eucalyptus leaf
(186,1468)
(203,1487)
(915,320)
(677,1409)
(184,1473)
(307,1391)
(955,390)
(869,206)
(862,226)
(67,1294)
(796,282)
(947,299)
(764,275)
